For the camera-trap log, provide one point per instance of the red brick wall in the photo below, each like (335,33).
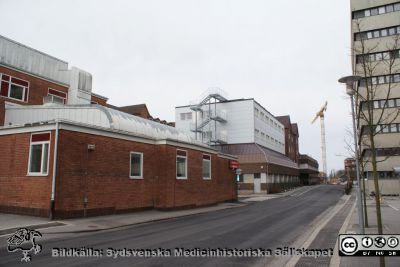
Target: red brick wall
(38,88)
(292,144)
(2,111)
(195,191)
(104,175)
(20,193)
(99,100)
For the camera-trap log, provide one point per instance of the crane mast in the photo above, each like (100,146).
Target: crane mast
(321,115)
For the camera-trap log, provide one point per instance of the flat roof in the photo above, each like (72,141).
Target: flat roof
(227,101)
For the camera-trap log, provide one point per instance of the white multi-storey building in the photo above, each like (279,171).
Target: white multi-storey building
(375,28)
(244,128)
(236,121)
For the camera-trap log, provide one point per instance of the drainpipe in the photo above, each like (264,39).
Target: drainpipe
(53,182)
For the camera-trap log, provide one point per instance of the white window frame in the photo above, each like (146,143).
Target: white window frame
(24,87)
(186,165)
(202,162)
(141,165)
(57,96)
(29,173)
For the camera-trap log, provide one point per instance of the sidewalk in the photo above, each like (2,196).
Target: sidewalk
(10,222)
(390,208)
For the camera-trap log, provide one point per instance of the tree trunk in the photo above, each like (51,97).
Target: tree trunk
(377,192)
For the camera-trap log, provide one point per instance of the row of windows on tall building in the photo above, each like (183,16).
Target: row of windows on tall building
(383,128)
(377,33)
(266,138)
(382,175)
(265,118)
(382,79)
(382,103)
(379,56)
(376,10)
(383,152)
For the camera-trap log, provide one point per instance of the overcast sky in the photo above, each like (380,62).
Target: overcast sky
(287,55)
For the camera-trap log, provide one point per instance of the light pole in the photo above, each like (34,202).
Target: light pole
(350,81)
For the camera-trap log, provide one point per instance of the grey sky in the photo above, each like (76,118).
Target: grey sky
(287,55)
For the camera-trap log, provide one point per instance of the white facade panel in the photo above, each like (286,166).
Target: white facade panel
(240,123)
(30,60)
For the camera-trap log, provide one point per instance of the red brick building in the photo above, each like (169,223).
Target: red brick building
(291,138)
(262,167)
(309,174)
(63,156)
(350,168)
(141,111)
(95,160)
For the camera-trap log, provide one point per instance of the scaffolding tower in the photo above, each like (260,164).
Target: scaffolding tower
(207,117)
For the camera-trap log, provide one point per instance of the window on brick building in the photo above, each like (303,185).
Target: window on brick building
(136,165)
(206,167)
(181,164)
(14,88)
(57,96)
(39,154)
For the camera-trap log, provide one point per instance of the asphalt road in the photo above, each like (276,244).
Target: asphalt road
(268,224)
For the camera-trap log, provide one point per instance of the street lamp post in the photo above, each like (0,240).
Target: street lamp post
(349,81)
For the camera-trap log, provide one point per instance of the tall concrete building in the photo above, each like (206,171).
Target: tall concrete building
(215,120)
(375,35)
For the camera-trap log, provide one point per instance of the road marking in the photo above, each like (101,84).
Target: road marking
(305,191)
(335,260)
(316,231)
(393,207)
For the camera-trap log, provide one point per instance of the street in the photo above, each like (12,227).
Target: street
(271,224)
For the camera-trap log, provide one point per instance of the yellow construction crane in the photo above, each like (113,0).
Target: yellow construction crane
(321,114)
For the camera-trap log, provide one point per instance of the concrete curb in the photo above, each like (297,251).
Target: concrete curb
(324,221)
(335,260)
(45,226)
(33,226)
